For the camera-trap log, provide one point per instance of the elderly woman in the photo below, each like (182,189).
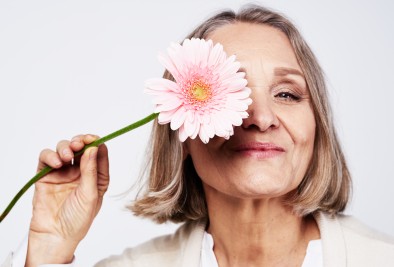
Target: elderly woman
(270,195)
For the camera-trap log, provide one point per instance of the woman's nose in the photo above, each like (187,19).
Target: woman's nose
(261,114)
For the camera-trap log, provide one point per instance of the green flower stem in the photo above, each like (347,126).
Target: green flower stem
(98,142)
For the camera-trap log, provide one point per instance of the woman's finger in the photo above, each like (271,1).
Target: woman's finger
(49,158)
(79,142)
(102,169)
(89,138)
(65,152)
(76,143)
(88,185)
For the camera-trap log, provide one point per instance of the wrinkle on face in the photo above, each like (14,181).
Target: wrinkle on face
(270,65)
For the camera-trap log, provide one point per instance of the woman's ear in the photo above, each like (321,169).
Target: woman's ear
(185,150)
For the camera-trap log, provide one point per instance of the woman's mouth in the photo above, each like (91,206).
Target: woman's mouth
(259,150)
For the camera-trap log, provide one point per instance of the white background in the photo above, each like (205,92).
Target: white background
(69,67)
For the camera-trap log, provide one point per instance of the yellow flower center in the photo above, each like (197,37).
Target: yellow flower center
(199,91)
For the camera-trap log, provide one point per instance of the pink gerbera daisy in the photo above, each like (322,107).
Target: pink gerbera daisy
(209,95)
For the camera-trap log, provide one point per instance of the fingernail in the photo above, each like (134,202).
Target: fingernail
(66,153)
(57,163)
(93,152)
(75,141)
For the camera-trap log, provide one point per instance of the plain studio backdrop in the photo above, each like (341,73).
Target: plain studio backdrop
(70,67)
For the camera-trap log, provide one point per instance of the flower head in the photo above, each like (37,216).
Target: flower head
(208,97)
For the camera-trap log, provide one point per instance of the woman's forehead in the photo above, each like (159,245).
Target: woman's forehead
(256,43)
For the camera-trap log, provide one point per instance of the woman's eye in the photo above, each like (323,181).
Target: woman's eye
(287,96)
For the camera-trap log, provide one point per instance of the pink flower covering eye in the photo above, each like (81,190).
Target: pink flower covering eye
(208,97)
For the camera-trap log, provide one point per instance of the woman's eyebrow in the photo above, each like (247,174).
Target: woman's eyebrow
(282,71)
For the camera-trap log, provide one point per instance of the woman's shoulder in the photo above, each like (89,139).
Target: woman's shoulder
(358,230)
(168,250)
(348,241)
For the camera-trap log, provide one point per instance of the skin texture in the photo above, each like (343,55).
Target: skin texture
(66,200)
(247,177)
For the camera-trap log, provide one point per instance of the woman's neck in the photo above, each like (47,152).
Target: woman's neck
(261,232)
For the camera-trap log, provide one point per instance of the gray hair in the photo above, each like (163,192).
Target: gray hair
(174,191)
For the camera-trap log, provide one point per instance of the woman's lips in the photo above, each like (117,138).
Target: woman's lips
(259,150)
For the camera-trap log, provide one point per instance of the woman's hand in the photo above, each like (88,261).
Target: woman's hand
(66,200)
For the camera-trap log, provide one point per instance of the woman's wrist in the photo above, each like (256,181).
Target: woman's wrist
(48,249)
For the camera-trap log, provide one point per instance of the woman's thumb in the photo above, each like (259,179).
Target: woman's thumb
(89,173)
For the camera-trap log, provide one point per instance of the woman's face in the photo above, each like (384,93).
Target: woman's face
(269,154)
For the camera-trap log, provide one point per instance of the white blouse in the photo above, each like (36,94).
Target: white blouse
(313,257)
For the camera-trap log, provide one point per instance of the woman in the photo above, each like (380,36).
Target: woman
(269,196)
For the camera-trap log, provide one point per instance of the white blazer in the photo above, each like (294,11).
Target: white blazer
(346,243)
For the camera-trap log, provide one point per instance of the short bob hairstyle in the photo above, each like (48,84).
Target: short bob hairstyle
(174,192)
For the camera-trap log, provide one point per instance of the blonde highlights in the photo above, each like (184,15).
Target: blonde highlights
(174,191)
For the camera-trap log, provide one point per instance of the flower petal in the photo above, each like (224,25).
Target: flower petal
(240,94)
(210,129)
(172,103)
(178,118)
(203,135)
(182,134)
(234,117)
(160,85)
(165,116)
(190,126)
(209,96)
